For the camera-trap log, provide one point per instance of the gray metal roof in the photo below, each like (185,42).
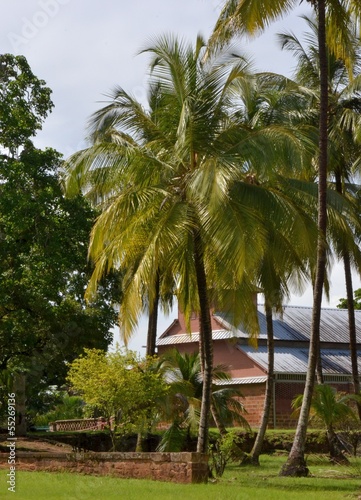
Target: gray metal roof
(187,338)
(295,360)
(241,381)
(295,324)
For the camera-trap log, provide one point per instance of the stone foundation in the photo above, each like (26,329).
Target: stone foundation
(174,467)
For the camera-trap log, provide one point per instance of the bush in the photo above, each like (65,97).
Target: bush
(70,407)
(225,449)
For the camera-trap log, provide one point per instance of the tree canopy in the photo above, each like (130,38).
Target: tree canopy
(187,190)
(343,303)
(24,102)
(120,385)
(44,319)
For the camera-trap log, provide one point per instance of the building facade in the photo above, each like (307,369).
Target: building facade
(248,366)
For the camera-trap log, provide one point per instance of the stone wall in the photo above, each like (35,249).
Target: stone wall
(175,467)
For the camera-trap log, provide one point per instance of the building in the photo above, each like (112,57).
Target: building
(248,365)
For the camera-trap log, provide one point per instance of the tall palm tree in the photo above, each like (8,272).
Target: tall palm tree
(179,198)
(276,282)
(268,101)
(242,16)
(344,142)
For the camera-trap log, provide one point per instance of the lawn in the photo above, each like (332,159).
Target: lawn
(238,483)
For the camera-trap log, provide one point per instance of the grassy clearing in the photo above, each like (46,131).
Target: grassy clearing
(246,483)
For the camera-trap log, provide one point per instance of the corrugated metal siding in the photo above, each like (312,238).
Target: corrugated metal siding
(295,360)
(295,324)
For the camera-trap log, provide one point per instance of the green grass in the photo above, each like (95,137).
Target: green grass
(238,483)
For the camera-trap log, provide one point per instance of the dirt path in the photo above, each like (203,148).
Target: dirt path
(35,444)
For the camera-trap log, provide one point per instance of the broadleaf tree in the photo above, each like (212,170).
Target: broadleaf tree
(24,102)
(119,386)
(44,319)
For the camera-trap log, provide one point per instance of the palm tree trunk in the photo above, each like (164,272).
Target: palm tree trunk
(351,312)
(257,446)
(296,464)
(207,345)
(319,372)
(337,455)
(352,327)
(153,320)
(217,420)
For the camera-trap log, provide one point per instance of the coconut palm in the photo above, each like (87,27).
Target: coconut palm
(182,405)
(344,141)
(270,100)
(276,282)
(330,408)
(180,198)
(335,30)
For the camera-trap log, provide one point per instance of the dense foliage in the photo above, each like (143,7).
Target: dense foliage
(343,303)
(44,319)
(120,387)
(24,102)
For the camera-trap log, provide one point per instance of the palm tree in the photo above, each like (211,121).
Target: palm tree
(242,16)
(344,140)
(330,408)
(178,191)
(182,404)
(268,101)
(276,281)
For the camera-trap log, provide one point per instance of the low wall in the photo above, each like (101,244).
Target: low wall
(185,467)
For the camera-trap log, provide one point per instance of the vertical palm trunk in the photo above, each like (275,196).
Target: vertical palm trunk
(351,312)
(151,340)
(296,464)
(257,446)
(153,320)
(352,327)
(319,371)
(206,347)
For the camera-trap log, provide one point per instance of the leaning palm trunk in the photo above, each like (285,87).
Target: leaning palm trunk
(151,342)
(296,464)
(217,420)
(206,346)
(257,446)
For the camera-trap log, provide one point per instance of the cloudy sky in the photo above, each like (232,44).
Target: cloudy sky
(83,48)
